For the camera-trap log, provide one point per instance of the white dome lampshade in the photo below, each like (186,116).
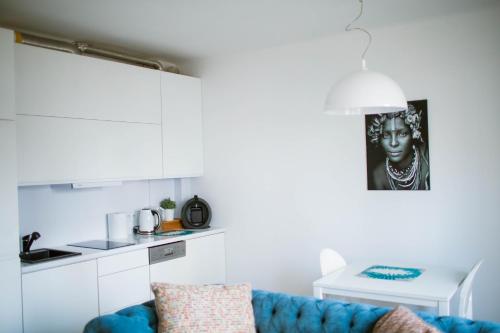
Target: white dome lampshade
(365,92)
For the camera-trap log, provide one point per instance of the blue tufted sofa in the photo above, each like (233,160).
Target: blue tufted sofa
(277,313)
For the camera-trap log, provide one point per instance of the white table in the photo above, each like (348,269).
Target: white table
(434,288)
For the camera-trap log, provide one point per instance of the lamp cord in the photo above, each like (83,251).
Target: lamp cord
(349,27)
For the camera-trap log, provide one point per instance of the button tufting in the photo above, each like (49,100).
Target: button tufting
(299,314)
(274,311)
(323,320)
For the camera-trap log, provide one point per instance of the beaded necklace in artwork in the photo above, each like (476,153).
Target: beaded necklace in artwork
(407,178)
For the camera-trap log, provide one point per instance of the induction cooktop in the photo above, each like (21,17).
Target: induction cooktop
(101,244)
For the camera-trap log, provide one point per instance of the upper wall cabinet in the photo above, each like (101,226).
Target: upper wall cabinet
(51,83)
(181,126)
(53,150)
(6,74)
(83,119)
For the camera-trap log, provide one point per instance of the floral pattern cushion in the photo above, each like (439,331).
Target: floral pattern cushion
(204,308)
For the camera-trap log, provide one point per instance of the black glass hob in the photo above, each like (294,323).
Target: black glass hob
(101,244)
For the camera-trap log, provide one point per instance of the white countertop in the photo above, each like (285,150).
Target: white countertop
(140,241)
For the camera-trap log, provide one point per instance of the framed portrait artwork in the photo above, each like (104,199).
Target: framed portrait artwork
(397,149)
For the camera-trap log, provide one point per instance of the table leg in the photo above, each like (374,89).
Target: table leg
(444,308)
(318,292)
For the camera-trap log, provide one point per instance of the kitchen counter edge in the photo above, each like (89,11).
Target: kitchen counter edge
(142,242)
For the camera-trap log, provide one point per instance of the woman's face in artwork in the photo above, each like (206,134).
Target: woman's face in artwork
(396,141)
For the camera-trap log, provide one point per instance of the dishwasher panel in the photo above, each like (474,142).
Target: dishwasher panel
(167,252)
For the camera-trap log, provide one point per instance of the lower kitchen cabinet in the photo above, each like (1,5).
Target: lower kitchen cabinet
(123,280)
(204,263)
(123,289)
(61,299)
(65,298)
(10,299)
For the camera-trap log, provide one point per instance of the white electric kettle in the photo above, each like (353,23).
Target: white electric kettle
(149,220)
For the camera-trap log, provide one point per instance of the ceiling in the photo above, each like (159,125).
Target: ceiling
(190,29)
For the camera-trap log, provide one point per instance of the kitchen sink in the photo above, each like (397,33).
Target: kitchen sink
(41,255)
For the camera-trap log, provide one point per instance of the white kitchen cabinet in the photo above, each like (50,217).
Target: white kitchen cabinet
(61,299)
(121,262)
(54,83)
(10,280)
(122,289)
(54,150)
(7,74)
(182,126)
(9,246)
(10,300)
(84,119)
(123,280)
(204,263)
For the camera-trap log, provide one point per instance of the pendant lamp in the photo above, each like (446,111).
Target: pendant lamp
(364,91)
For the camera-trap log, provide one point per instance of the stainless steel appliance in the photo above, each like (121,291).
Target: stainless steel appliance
(169,258)
(166,252)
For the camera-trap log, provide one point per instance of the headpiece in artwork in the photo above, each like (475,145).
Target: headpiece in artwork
(411,117)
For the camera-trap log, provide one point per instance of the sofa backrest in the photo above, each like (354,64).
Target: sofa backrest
(282,313)
(277,313)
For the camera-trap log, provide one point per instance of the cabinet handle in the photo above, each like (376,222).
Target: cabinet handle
(168,252)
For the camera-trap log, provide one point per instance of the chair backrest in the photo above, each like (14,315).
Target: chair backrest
(330,261)
(465,302)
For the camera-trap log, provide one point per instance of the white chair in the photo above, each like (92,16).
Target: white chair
(465,302)
(330,261)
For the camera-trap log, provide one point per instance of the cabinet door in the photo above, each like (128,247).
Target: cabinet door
(6,74)
(208,255)
(122,289)
(63,150)
(9,246)
(10,301)
(204,263)
(54,83)
(122,262)
(61,299)
(182,126)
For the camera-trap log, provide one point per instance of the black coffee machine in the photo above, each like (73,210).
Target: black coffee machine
(196,214)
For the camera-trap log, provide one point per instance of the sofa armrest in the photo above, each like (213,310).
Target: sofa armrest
(134,319)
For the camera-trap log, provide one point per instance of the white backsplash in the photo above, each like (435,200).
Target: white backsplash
(64,215)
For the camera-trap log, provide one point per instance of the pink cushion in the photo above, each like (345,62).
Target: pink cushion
(402,320)
(204,308)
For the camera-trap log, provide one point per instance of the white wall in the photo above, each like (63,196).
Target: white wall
(286,180)
(63,215)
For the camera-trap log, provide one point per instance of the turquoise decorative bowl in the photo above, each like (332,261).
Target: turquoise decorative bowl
(391,272)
